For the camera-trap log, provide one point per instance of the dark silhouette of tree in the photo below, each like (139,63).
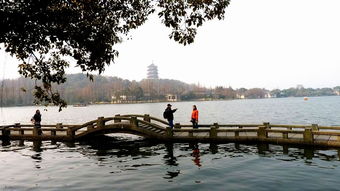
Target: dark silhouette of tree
(44,34)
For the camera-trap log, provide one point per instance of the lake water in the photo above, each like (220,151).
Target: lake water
(125,162)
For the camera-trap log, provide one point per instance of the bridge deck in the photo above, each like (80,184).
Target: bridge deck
(153,128)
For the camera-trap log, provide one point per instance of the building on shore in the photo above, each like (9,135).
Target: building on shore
(123,99)
(240,96)
(172,97)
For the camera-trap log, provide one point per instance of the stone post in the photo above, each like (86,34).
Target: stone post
(117,120)
(216,125)
(315,127)
(133,121)
(100,122)
(267,125)
(59,126)
(147,118)
(308,136)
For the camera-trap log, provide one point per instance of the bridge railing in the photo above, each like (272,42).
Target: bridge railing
(306,134)
(148,118)
(101,122)
(28,130)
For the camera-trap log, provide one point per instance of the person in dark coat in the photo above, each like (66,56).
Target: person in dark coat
(36,119)
(169,115)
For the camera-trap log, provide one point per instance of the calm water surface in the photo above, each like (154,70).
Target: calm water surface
(126,162)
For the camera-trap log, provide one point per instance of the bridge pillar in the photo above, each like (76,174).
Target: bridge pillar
(5,133)
(117,120)
(100,122)
(308,136)
(147,118)
(21,143)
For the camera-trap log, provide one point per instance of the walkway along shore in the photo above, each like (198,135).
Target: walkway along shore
(158,130)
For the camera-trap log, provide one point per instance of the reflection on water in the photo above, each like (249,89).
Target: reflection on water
(112,161)
(110,147)
(196,154)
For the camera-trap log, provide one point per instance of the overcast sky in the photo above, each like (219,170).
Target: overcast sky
(263,43)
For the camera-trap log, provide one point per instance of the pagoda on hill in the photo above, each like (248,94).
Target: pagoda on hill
(152,72)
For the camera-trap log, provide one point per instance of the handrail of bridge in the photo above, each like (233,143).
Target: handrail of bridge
(178,125)
(149,120)
(30,126)
(94,123)
(151,124)
(146,116)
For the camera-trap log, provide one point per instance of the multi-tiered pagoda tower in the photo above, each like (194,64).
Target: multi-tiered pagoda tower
(152,72)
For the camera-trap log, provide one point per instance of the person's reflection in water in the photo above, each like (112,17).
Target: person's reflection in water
(170,160)
(196,155)
(37,156)
(37,146)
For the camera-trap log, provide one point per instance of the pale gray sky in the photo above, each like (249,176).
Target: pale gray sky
(263,43)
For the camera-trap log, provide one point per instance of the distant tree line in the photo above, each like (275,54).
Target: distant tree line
(78,89)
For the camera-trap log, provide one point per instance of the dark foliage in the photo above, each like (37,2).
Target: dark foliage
(45,34)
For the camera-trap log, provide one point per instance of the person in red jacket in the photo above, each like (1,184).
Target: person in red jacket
(194,117)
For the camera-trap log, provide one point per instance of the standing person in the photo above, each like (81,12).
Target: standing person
(194,117)
(169,115)
(36,119)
